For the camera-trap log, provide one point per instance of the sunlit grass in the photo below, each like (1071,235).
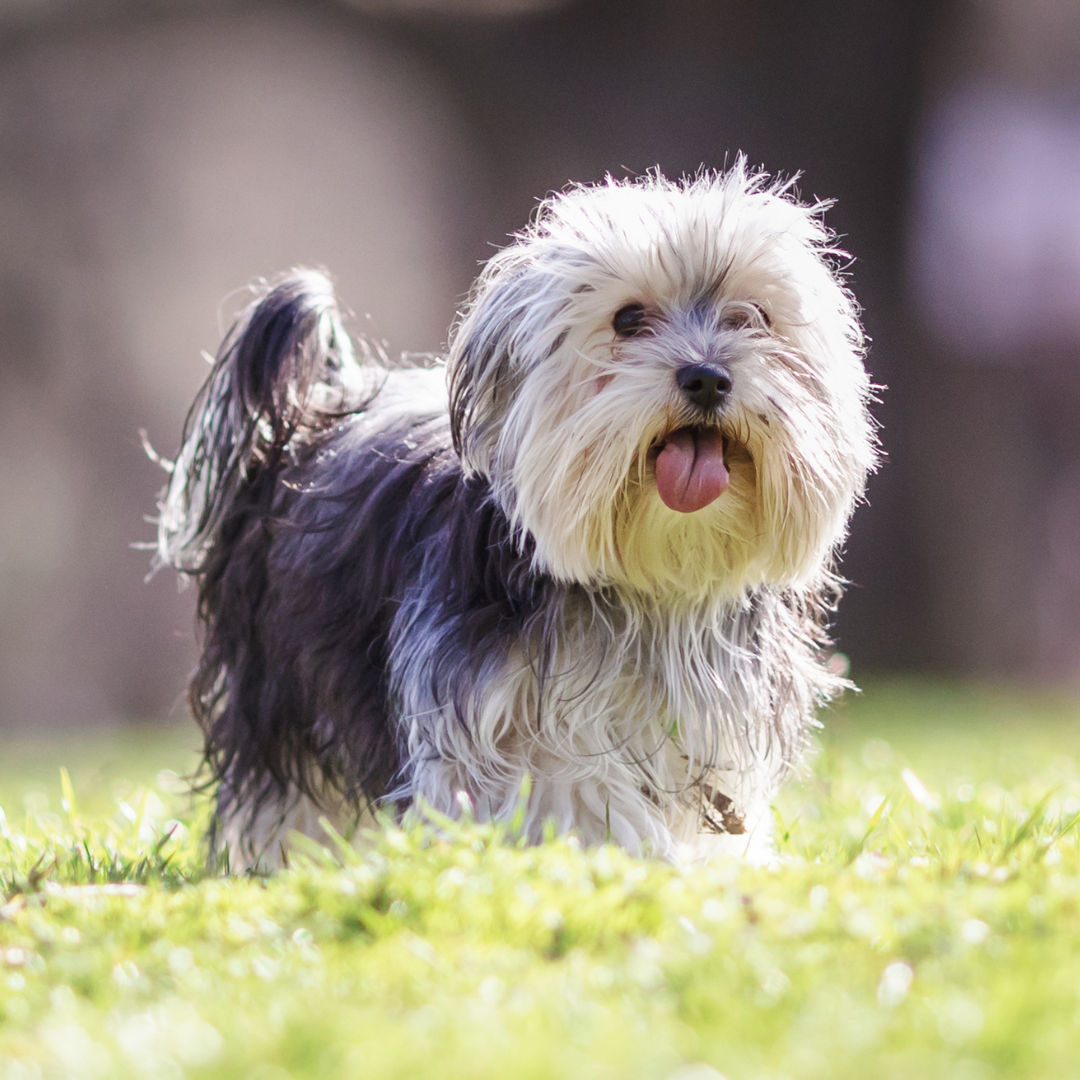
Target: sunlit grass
(923,921)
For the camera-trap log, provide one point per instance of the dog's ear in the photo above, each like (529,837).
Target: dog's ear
(478,373)
(514,320)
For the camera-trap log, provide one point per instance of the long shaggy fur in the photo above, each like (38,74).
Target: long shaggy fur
(420,582)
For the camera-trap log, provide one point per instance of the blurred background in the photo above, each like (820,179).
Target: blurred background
(157,155)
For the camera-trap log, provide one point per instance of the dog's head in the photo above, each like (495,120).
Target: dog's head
(664,385)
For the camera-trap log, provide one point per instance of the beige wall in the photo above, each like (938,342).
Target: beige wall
(145,175)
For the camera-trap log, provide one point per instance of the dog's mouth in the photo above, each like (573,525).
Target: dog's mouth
(691,470)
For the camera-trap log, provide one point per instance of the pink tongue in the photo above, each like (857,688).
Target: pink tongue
(690,471)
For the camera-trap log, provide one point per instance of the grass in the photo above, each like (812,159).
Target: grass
(924,922)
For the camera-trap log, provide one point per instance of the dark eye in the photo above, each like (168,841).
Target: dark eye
(629,320)
(740,316)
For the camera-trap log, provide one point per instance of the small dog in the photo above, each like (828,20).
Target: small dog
(593,547)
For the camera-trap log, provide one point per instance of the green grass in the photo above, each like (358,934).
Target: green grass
(924,922)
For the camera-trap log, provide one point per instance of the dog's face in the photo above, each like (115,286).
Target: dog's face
(664,385)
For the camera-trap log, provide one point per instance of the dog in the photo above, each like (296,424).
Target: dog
(576,574)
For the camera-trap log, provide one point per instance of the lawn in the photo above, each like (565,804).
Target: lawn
(923,921)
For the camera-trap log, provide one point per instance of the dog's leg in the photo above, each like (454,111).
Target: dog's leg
(260,843)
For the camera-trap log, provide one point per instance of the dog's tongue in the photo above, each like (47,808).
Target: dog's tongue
(690,471)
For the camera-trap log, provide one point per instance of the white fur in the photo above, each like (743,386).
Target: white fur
(568,456)
(657,691)
(635,715)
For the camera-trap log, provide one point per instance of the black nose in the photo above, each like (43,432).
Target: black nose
(705,385)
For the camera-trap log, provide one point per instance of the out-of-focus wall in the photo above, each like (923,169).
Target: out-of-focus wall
(993,420)
(155,159)
(149,169)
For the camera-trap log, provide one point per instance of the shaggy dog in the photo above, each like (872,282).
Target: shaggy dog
(593,547)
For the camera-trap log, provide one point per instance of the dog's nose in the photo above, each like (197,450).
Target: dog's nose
(706,385)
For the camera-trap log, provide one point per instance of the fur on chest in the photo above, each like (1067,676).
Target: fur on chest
(632,721)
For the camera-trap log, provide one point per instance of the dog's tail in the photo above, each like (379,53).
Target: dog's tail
(285,372)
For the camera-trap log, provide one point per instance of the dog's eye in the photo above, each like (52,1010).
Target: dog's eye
(629,320)
(744,315)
